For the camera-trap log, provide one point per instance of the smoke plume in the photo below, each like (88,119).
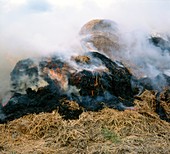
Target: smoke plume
(31,28)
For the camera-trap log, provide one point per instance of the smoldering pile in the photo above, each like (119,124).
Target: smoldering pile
(99,78)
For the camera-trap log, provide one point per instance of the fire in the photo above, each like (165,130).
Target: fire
(55,74)
(96,82)
(59,77)
(92,92)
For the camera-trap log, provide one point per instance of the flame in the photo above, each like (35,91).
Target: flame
(92,92)
(59,77)
(96,82)
(55,74)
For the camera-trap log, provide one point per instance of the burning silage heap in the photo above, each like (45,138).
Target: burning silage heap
(90,81)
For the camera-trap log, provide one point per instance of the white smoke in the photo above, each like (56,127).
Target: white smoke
(30,28)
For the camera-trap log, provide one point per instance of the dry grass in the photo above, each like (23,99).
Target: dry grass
(105,132)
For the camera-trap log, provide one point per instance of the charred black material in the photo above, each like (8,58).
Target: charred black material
(25,73)
(163,44)
(121,77)
(90,87)
(157,83)
(161,108)
(99,88)
(35,102)
(32,102)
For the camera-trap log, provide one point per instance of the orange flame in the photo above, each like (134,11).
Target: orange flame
(59,77)
(92,92)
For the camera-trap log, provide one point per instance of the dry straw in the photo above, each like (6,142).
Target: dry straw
(106,131)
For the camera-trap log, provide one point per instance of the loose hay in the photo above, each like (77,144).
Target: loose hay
(107,131)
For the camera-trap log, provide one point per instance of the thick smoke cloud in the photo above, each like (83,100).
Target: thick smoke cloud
(30,28)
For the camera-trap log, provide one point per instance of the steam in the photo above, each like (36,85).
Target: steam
(30,28)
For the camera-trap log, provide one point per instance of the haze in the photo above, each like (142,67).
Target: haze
(30,28)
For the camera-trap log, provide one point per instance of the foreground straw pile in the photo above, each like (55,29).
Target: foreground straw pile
(107,131)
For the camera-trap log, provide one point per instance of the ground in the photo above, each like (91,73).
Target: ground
(105,132)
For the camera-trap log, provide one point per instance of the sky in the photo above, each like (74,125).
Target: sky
(49,25)
(30,28)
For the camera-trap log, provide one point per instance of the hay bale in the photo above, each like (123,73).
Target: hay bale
(100,34)
(99,25)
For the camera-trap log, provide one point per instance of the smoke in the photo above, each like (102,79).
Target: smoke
(30,28)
